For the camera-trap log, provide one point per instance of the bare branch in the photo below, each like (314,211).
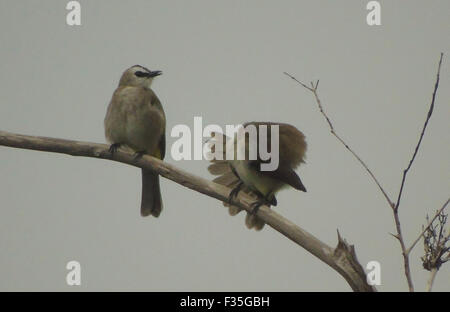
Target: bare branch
(333,131)
(430,112)
(342,258)
(406,266)
(393,205)
(398,236)
(405,253)
(304,86)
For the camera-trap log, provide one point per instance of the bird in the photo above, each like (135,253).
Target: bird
(247,174)
(135,119)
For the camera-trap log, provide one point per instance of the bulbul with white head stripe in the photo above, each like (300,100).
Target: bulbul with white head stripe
(135,119)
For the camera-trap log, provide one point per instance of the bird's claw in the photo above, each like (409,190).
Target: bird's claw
(235,191)
(113,148)
(255,206)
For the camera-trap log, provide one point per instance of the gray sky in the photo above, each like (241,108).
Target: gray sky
(224,61)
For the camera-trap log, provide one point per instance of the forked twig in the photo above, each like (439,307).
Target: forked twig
(313,89)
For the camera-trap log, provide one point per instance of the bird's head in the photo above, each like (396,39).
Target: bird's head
(138,76)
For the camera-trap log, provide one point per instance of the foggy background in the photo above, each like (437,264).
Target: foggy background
(223,61)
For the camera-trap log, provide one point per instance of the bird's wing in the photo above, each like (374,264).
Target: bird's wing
(162,146)
(155,102)
(283,173)
(292,147)
(292,144)
(218,143)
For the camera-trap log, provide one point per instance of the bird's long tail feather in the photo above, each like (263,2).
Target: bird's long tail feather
(151,202)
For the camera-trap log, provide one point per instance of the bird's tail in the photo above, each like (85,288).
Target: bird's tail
(151,202)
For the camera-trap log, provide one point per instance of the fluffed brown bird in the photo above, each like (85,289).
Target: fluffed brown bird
(246,175)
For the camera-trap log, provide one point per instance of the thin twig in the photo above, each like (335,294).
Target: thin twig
(295,79)
(333,131)
(430,112)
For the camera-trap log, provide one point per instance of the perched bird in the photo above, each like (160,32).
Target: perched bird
(136,119)
(247,175)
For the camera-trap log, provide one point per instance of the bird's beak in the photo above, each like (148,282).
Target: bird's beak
(155,73)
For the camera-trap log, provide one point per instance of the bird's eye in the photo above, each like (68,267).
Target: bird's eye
(142,74)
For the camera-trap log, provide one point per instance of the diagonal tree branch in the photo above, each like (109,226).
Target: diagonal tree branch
(342,258)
